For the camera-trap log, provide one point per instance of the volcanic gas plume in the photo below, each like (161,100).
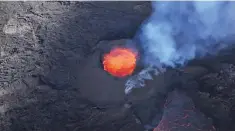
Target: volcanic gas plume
(177,32)
(120,62)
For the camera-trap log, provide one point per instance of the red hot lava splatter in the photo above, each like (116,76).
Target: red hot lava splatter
(120,62)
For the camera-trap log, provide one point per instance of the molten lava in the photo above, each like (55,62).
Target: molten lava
(120,62)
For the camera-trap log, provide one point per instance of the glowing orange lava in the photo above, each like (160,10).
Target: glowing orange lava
(120,62)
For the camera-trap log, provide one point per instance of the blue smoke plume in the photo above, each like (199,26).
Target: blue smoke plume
(177,32)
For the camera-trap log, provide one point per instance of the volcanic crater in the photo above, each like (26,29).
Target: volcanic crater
(52,76)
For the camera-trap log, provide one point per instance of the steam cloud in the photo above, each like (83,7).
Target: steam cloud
(177,32)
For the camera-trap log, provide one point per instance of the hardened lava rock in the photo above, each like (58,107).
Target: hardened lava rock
(180,115)
(220,80)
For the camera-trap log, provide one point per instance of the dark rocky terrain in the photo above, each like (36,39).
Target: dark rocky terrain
(49,59)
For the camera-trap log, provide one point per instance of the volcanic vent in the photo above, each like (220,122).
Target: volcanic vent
(98,83)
